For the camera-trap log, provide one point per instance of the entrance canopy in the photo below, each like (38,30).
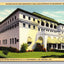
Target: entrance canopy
(29,39)
(49,40)
(61,40)
(53,41)
(40,40)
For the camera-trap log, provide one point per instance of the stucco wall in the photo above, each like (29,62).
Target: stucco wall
(24,33)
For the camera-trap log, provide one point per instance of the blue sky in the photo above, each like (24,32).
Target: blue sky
(53,11)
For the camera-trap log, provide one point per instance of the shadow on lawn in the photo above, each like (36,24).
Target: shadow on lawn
(54,56)
(2,57)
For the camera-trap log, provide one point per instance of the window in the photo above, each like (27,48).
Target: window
(63,46)
(41,29)
(33,19)
(29,43)
(23,16)
(29,26)
(15,17)
(23,24)
(38,21)
(29,40)
(51,25)
(5,41)
(12,40)
(38,29)
(12,26)
(29,18)
(47,24)
(15,40)
(15,25)
(12,19)
(34,27)
(42,23)
(8,22)
(55,26)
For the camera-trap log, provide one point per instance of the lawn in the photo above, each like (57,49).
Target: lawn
(33,55)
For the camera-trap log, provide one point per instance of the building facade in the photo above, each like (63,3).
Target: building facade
(24,27)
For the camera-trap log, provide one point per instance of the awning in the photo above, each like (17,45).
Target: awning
(39,41)
(61,41)
(29,40)
(56,40)
(49,40)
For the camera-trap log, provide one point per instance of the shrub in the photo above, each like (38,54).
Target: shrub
(38,47)
(11,49)
(23,47)
(3,48)
(5,52)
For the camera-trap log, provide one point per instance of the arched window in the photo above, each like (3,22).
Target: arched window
(55,26)
(29,41)
(42,23)
(47,24)
(51,25)
(38,21)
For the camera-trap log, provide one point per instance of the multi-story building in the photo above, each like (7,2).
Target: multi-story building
(24,27)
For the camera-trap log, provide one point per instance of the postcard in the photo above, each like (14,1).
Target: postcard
(31,31)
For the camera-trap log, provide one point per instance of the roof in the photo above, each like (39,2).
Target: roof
(18,9)
(44,17)
(60,24)
(34,14)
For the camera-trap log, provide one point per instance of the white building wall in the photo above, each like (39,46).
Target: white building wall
(24,33)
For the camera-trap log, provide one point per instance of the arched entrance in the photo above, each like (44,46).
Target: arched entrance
(40,40)
(39,44)
(29,41)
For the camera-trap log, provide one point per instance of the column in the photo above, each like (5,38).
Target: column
(45,42)
(52,46)
(56,46)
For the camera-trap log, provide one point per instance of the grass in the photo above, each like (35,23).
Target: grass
(33,55)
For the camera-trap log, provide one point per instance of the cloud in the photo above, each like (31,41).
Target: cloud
(4,13)
(60,20)
(55,15)
(1,18)
(50,14)
(8,11)
(61,12)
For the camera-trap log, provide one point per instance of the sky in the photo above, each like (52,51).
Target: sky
(53,11)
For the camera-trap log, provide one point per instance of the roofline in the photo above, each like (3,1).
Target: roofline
(18,9)
(46,18)
(60,24)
